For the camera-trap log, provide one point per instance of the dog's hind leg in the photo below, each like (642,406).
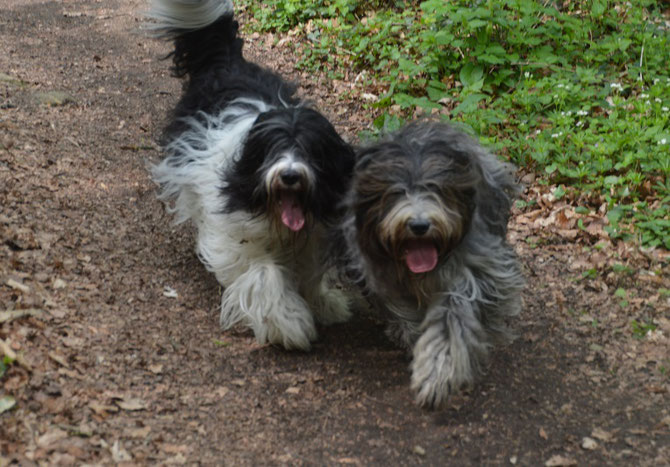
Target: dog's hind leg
(265,298)
(449,353)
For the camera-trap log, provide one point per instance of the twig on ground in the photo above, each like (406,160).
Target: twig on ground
(10,315)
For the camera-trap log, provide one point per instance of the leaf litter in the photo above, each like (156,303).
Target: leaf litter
(85,241)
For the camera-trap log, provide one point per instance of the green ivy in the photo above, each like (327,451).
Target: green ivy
(577,91)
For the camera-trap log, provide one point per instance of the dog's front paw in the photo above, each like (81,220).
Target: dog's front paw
(439,368)
(276,314)
(430,382)
(292,328)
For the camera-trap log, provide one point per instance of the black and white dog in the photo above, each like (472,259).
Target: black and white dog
(425,232)
(259,172)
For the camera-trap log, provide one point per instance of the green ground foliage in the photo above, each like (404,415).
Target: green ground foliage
(578,92)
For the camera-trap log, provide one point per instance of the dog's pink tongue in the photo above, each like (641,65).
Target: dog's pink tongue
(291,212)
(421,256)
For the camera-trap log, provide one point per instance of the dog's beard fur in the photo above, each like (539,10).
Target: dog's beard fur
(449,300)
(288,204)
(396,238)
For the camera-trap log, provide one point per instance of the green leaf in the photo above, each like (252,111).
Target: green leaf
(477,23)
(436,90)
(468,104)
(614,215)
(471,74)
(551,168)
(559,192)
(598,8)
(624,44)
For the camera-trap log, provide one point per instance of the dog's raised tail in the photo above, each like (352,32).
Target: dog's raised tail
(203,31)
(176,17)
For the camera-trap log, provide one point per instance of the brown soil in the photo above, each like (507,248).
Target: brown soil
(111,369)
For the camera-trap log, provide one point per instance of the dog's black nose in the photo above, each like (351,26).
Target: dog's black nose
(290,177)
(419,226)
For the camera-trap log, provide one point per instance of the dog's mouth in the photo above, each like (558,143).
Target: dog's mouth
(292,214)
(420,255)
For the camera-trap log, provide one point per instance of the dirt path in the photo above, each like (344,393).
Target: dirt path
(112,367)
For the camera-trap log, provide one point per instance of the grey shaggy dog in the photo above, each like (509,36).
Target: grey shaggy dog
(425,230)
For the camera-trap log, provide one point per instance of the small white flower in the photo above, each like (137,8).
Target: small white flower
(647,103)
(644,96)
(526,74)
(582,113)
(658,100)
(567,86)
(556,135)
(656,80)
(555,96)
(663,141)
(580,123)
(616,86)
(664,109)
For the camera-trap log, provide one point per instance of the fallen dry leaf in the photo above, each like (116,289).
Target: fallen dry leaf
(589,443)
(58,313)
(58,359)
(156,369)
(131,405)
(347,460)
(6,349)
(560,461)
(174,448)
(601,434)
(51,437)
(119,454)
(102,409)
(139,432)
(419,450)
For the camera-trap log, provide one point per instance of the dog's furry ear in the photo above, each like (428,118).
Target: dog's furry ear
(497,192)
